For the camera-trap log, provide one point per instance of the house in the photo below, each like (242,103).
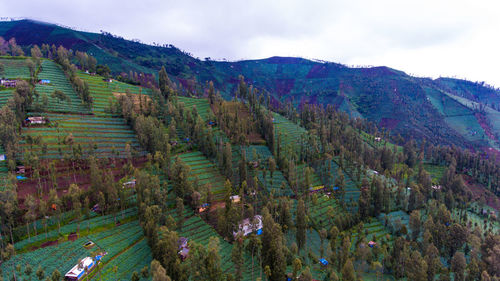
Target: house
(35,120)
(246,226)
(20,170)
(314,189)
(82,268)
(378,139)
(436,187)
(8,83)
(2,157)
(235,198)
(129,184)
(183,248)
(203,208)
(371,244)
(44,81)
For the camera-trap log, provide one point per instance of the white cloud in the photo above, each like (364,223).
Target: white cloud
(426,38)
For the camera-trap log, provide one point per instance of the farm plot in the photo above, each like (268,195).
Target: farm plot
(133,259)
(206,172)
(5,95)
(73,226)
(395,220)
(15,68)
(61,257)
(328,172)
(202,106)
(106,136)
(58,81)
(277,184)
(373,230)
(101,91)
(311,253)
(321,211)
(116,240)
(300,173)
(290,134)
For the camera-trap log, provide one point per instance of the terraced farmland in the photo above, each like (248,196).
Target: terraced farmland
(5,95)
(319,212)
(205,171)
(15,68)
(202,106)
(291,134)
(99,134)
(328,171)
(101,91)
(58,81)
(313,246)
(133,259)
(61,257)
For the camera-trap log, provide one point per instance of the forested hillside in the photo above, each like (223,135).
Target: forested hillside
(151,180)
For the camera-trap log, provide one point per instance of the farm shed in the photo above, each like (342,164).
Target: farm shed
(78,271)
(44,81)
(246,226)
(2,157)
(129,184)
(8,83)
(235,198)
(35,120)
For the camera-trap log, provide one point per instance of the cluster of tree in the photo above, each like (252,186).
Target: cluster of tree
(10,47)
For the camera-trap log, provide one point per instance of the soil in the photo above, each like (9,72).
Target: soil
(66,177)
(479,190)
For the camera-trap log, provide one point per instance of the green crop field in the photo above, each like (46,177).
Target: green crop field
(132,259)
(15,68)
(202,106)
(5,95)
(319,211)
(61,257)
(328,172)
(101,91)
(93,223)
(205,172)
(436,171)
(58,81)
(99,134)
(290,133)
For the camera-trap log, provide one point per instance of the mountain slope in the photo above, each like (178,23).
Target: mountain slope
(390,98)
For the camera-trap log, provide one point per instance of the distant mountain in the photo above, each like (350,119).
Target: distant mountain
(443,111)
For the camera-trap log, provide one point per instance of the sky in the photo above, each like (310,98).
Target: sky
(452,38)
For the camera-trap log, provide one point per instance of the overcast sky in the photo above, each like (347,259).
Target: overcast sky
(424,38)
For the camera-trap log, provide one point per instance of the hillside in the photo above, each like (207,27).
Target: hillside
(387,97)
(112,181)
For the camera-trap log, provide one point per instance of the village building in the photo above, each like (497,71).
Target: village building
(235,198)
(8,83)
(248,226)
(81,269)
(35,120)
(183,248)
(129,184)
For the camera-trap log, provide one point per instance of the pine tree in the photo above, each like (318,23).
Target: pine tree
(301,224)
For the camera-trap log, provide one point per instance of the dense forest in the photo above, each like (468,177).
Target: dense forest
(169,184)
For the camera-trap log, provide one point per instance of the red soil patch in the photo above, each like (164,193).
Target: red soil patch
(49,243)
(481,119)
(72,237)
(388,123)
(65,178)
(284,86)
(479,191)
(318,71)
